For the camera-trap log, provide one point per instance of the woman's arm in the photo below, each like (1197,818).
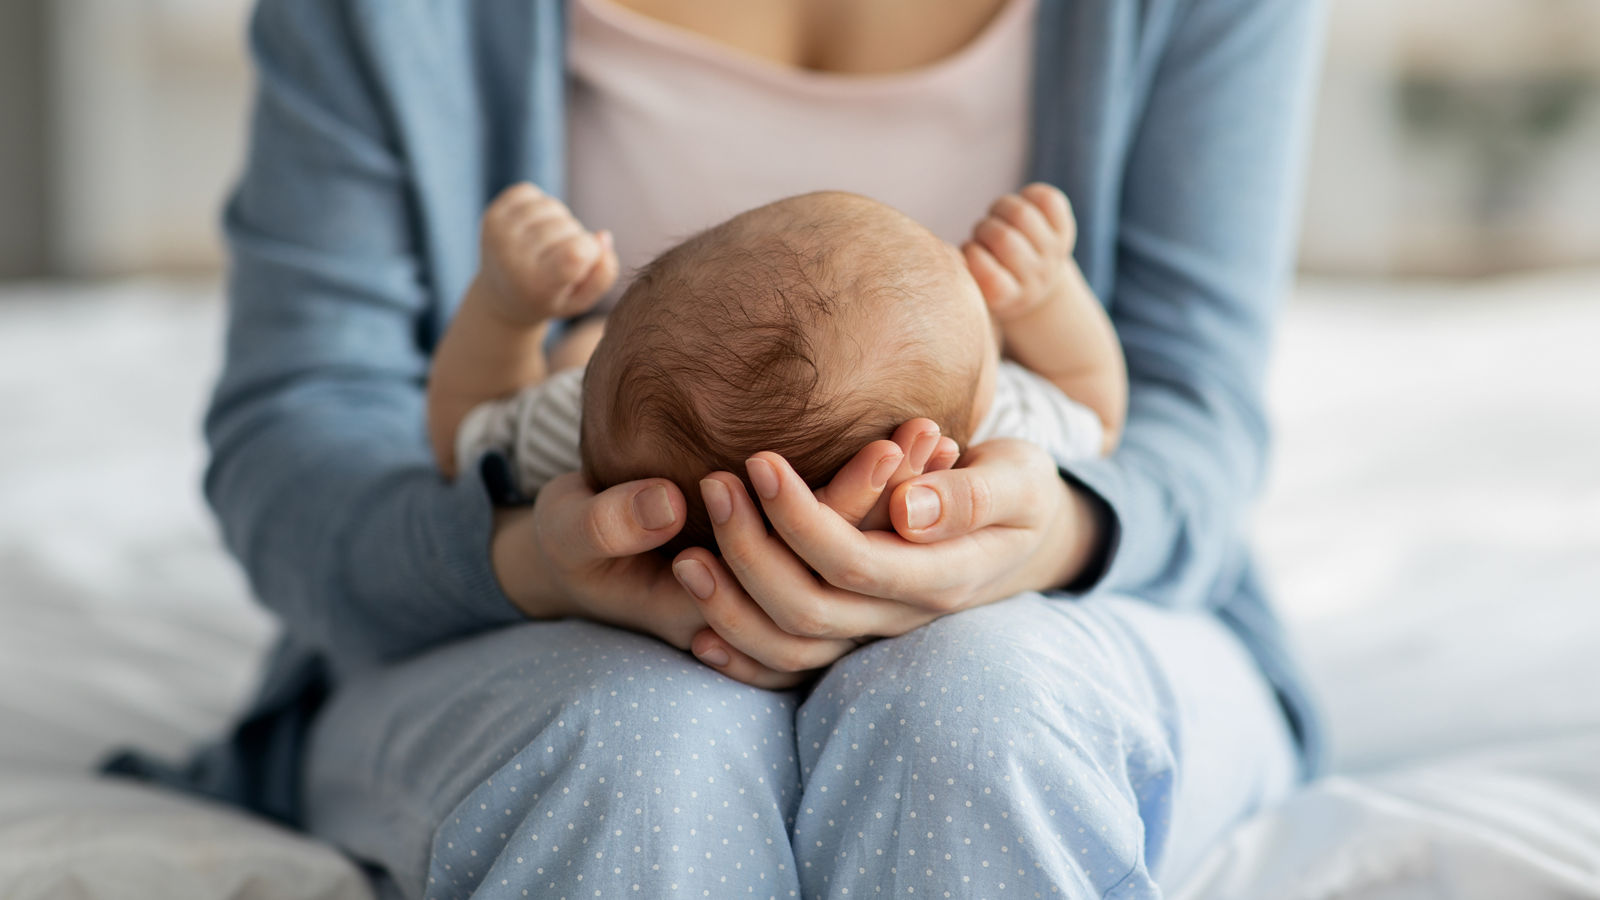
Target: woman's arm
(320,472)
(1203,257)
(1203,254)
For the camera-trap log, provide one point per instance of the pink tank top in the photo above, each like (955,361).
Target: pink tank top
(670,132)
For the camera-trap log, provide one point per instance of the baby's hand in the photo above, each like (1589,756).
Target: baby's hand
(539,262)
(1021,252)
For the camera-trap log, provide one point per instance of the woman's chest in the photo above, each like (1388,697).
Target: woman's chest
(849,37)
(668,132)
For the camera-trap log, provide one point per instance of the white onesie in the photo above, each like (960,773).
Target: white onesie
(537,429)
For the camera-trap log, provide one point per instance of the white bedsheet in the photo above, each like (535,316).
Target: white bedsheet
(1511,823)
(122,619)
(1432,529)
(1432,524)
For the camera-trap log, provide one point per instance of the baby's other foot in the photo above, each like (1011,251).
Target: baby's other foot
(1020,252)
(539,260)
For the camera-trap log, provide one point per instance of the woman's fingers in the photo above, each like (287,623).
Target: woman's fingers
(999,485)
(918,440)
(1004,496)
(580,527)
(944,457)
(859,487)
(770,573)
(713,650)
(869,575)
(733,615)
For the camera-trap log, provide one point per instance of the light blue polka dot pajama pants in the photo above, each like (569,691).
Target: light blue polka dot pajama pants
(1033,748)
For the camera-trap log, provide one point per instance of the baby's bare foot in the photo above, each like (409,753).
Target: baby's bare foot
(1020,252)
(538,261)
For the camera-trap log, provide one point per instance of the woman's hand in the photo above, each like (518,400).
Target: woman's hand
(577,553)
(750,647)
(1004,522)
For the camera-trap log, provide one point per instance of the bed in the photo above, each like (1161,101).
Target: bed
(1432,528)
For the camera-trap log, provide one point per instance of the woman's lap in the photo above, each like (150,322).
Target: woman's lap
(1036,743)
(413,768)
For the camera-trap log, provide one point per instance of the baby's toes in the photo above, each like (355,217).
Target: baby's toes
(509,202)
(999,286)
(1007,245)
(570,259)
(599,278)
(1054,205)
(1028,219)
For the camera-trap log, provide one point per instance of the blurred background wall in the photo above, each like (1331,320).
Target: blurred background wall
(1453,137)
(23,198)
(1456,137)
(124,123)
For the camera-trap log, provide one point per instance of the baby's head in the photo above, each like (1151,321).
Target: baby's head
(809,327)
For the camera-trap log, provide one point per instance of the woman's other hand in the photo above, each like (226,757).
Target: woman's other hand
(743,641)
(1002,523)
(582,554)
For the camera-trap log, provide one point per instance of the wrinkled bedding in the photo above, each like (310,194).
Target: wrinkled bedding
(1432,528)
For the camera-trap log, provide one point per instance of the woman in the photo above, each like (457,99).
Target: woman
(1090,741)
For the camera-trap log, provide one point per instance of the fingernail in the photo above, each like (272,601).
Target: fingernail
(715,656)
(763,476)
(653,507)
(922,507)
(695,577)
(884,469)
(719,504)
(922,448)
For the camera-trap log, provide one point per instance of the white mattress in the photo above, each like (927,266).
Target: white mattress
(1432,530)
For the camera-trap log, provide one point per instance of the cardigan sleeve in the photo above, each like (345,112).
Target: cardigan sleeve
(1203,253)
(319,472)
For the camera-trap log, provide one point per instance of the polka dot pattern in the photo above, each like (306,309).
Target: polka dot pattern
(977,758)
(650,773)
(1026,749)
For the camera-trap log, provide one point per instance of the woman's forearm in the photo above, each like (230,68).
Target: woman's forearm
(328,499)
(319,473)
(1203,253)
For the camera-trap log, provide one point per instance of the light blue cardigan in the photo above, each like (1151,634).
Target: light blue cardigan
(384,126)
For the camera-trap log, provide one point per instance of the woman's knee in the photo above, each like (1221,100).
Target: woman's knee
(541,740)
(1028,668)
(1026,724)
(452,716)
(660,779)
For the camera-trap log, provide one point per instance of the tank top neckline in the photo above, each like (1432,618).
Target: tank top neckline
(681,41)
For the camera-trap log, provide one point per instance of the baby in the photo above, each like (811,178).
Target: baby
(810,327)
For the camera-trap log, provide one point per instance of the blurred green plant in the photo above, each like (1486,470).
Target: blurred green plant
(1507,125)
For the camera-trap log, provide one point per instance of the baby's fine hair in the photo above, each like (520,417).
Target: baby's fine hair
(794,328)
